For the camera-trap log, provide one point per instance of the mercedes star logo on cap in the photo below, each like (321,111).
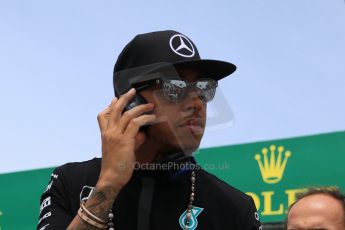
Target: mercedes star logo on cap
(182,46)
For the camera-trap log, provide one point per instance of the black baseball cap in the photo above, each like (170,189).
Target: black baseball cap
(171,48)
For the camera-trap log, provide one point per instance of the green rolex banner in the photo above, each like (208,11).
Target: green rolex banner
(20,198)
(272,172)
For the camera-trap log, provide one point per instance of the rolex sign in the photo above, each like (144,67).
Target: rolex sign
(273,172)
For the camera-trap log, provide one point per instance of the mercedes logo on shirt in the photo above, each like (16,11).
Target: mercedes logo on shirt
(182,46)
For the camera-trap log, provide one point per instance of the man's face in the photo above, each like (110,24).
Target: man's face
(182,123)
(316,212)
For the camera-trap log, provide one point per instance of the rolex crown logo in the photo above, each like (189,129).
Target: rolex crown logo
(272,168)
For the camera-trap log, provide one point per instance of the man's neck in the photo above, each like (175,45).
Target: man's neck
(151,151)
(147,152)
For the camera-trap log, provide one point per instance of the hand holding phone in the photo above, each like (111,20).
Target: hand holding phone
(121,138)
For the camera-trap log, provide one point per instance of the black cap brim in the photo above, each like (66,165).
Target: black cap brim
(212,68)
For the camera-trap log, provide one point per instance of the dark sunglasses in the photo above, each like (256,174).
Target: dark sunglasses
(175,90)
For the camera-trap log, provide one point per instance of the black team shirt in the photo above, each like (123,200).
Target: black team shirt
(152,200)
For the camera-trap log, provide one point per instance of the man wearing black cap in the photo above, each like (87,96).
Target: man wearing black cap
(147,178)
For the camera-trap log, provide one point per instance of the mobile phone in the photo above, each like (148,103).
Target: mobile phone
(136,101)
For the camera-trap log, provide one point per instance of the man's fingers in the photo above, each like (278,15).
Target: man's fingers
(120,105)
(135,124)
(103,117)
(132,114)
